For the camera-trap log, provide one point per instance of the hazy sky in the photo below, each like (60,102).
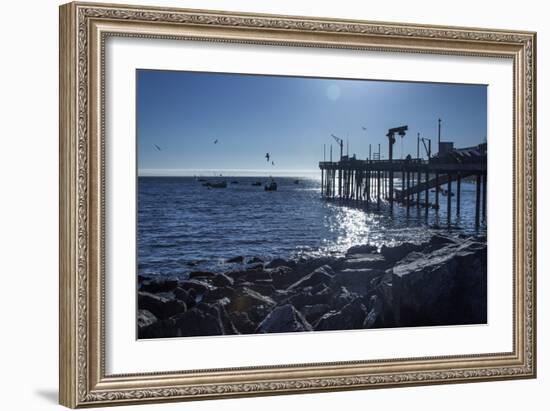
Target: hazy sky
(183,113)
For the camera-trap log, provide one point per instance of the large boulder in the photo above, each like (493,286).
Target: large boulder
(365,261)
(160,307)
(238,259)
(278,262)
(283,276)
(195,323)
(284,319)
(242,322)
(312,313)
(396,253)
(249,275)
(256,305)
(446,287)
(375,315)
(200,287)
(362,249)
(321,275)
(187,296)
(216,279)
(304,298)
(158,286)
(358,280)
(351,316)
(341,297)
(145,318)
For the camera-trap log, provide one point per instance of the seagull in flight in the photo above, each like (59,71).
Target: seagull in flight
(216,141)
(267,157)
(273,163)
(157,147)
(364,128)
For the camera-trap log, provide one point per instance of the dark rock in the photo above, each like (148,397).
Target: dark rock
(311,264)
(396,253)
(365,261)
(160,307)
(238,259)
(250,275)
(216,279)
(283,276)
(242,322)
(305,298)
(254,260)
(357,280)
(145,318)
(256,305)
(374,318)
(158,286)
(218,311)
(341,298)
(200,287)
(351,316)
(264,289)
(220,293)
(321,275)
(362,249)
(277,262)
(312,313)
(185,296)
(446,287)
(258,266)
(284,319)
(194,323)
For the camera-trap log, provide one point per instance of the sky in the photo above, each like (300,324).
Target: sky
(180,115)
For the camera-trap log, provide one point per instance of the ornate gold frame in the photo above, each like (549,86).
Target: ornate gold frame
(83,30)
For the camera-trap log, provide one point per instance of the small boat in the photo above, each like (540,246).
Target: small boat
(296,181)
(218,184)
(202,180)
(272,186)
(257,183)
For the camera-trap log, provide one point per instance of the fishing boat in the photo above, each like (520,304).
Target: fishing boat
(296,181)
(272,186)
(217,184)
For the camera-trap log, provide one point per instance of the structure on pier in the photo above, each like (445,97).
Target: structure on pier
(368,182)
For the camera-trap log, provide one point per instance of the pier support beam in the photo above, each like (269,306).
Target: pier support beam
(484,197)
(437,191)
(378,189)
(478,198)
(458,179)
(449,185)
(391,190)
(427,193)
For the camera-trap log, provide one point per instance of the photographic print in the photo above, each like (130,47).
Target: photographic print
(277,204)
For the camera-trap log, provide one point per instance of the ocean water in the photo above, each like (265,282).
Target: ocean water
(183,226)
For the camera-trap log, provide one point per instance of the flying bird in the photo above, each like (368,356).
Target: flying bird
(364,128)
(216,141)
(267,157)
(157,147)
(273,163)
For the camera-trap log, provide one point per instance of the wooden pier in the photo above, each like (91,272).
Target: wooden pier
(370,182)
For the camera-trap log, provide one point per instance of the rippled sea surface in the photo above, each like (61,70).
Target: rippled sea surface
(184,226)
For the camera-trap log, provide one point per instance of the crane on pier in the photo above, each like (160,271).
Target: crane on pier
(400,131)
(428,148)
(340,143)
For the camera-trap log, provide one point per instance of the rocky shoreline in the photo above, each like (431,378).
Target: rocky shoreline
(442,281)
